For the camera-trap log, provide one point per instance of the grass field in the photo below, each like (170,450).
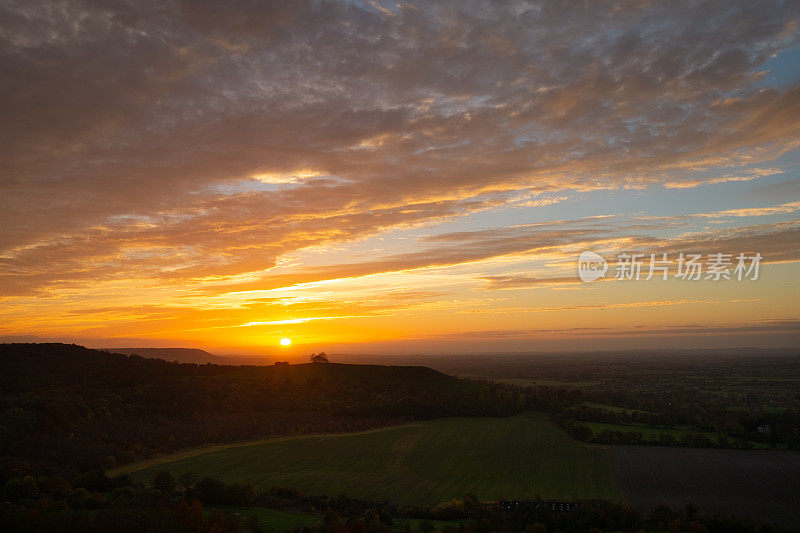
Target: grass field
(271,518)
(611,408)
(421,464)
(649,431)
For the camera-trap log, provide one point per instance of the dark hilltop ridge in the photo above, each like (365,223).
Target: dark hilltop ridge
(70,409)
(181,355)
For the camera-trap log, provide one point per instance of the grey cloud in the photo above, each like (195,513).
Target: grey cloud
(776,242)
(116,108)
(762,327)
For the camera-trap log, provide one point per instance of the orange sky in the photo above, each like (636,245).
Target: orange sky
(381,177)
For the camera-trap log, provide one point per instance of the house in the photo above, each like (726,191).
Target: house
(514,505)
(281,363)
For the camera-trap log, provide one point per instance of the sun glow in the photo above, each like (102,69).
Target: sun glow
(286,341)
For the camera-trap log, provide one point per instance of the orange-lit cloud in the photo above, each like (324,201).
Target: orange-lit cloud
(177,171)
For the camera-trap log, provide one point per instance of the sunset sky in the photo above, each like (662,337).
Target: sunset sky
(395,177)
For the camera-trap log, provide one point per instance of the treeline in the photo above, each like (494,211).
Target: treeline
(698,409)
(68,410)
(717,425)
(651,438)
(184,505)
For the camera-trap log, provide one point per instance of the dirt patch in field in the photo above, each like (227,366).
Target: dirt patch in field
(760,484)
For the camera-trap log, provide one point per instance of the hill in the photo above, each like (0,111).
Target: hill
(181,355)
(519,457)
(70,409)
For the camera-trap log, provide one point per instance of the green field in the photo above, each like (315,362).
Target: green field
(529,382)
(611,408)
(418,464)
(650,431)
(271,518)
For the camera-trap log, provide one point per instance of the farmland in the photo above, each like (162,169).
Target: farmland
(516,457)
(525,382)
(611,408)
(277,520)
(649,431)
(759,484)
(314,437)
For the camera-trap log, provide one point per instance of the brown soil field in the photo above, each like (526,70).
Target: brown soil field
(764,485)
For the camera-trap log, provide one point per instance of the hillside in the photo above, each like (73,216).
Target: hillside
(181,355)
(36,367)
(520,457)
(69,409)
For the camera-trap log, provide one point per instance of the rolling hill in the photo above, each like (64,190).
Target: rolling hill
(181,355)
(68,408)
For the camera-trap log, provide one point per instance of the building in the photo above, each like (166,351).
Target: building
(515,505)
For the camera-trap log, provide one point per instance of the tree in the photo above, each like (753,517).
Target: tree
(426,526)
(697,527)
(331,518)
(692,511)
(581,432)
(191,514)
(320,357)
(472,506)
(164,481)
(28,488)
(188,479)
(662,515)
(210,490)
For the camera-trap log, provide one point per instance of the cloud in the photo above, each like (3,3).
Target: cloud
(191,144)
(746,328)
(595,307)
(289,321)
(747,176)
(524,281)
(790,207)
(776,242)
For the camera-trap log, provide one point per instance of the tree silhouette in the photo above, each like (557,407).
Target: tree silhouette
(164,481)
(320,357)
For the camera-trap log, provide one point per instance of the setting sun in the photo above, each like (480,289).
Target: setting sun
(285,341)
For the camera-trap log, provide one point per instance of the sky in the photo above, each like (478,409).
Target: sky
(398,177)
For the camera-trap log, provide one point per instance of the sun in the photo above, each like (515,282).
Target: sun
(286,341)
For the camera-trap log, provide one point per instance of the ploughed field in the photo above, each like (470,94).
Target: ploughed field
(760,484)
(520,457)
